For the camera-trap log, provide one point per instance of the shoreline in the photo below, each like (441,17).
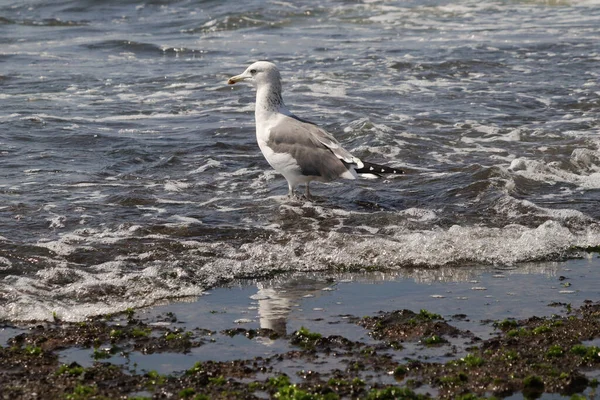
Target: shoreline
(370,335)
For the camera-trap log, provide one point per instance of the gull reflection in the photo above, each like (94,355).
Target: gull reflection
(277,298)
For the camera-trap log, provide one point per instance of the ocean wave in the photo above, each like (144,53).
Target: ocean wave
(134,266)
(140,48)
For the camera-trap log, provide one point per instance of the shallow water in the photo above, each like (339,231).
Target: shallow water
(131,175)
(326,303)
(471,299)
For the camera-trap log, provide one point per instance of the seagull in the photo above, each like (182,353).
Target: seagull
(298,149)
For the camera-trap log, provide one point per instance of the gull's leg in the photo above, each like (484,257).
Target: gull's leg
(291,190)
(307,194)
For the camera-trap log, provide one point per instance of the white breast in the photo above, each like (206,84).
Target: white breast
(283,163)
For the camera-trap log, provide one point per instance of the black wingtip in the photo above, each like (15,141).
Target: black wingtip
(376,169)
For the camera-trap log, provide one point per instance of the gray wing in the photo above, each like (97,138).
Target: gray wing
(316,151)
(326,139)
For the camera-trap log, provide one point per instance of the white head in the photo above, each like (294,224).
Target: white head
(259,73)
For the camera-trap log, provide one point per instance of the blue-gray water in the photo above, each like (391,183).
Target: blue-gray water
(130,171)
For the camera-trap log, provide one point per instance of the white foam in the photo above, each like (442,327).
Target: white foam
(176,186)
(419,214)
(57,221)
(552,173)
(516,209)
(153,209)
(182,220)
(210,163)
(5,263)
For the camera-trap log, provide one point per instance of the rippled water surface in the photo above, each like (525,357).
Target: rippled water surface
(131,173)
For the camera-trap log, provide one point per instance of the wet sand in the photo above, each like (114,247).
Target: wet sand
(521,332)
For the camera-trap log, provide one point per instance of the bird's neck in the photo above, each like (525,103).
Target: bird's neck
(269,100)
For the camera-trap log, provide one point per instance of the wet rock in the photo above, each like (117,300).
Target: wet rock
(406,325)
(531,356)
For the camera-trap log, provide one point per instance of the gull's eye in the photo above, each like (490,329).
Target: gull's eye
(252,71)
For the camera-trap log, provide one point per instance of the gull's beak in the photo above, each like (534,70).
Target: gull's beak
(237,78)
